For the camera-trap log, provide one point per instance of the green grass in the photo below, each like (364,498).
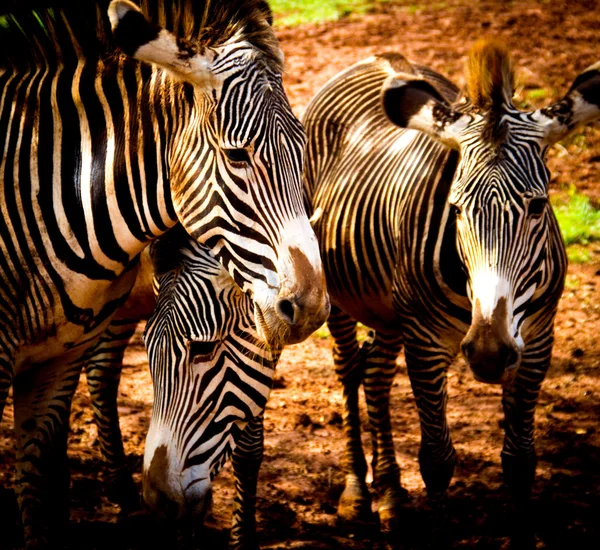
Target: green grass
(296,12)
(579,223)
(537,94)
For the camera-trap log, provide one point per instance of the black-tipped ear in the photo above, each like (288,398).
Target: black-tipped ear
(416,104)
(402,99)
(130,27)
(148,42)
(579,106)
(588,85)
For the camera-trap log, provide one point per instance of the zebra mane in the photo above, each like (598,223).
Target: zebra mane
(490,76)
(61,31)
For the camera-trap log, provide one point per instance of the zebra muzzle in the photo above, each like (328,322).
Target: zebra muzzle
(491,351)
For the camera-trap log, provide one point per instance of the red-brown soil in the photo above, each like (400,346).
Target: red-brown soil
(301,477)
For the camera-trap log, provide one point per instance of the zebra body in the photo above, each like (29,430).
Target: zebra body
(109,138)
(437,244)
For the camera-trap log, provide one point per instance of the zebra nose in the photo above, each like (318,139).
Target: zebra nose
(197,505)
(287,309)
(491,361)
(160,503)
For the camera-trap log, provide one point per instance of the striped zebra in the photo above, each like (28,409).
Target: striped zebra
(212,376)
(114,129)
(440,240)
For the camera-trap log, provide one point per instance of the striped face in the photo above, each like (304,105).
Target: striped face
(212,373)
(503,222)
(235,168)
(499,196)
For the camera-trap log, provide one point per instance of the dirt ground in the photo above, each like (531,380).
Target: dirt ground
(301,477)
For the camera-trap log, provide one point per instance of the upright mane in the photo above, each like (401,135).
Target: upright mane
(62,31)
(490,76)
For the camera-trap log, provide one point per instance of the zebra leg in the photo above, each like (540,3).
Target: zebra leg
(427,368)
(355,501)
(6,369)
(103,372)
(42,398)
(246,461)
(379,358)
(518,454)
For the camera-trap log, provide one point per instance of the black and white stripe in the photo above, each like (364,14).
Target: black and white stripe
(437,244)
(102,150)
(212,376)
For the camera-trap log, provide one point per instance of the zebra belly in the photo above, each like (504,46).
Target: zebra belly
(373,311)
(68,340)
(55,332)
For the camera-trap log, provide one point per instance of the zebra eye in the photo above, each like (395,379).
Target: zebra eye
(455,210)
(237,156)
(537,206)
(199,352)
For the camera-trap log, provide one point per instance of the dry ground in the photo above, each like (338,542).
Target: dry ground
(301,478)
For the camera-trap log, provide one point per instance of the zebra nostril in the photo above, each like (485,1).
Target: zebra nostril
(287,310)
(165,506)
(511,357)
(467,349)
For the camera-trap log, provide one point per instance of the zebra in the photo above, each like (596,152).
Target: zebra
(441,240)
(113,129)
(201,334)
(212,374)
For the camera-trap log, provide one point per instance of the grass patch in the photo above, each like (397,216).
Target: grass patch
(572,282)
(322,332)
(579,223)
(537,94)
(296,12)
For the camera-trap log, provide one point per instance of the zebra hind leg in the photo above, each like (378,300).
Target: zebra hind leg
(42,397)
(380,356)
(354,505)
(103,372)
(246,461)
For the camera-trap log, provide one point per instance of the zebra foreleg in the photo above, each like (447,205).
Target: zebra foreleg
(246,461)
(518,454)
(103,371)
(427,368)
(355,502)
(379,358)
(42,397)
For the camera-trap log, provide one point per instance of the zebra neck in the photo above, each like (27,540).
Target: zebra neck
(127,123)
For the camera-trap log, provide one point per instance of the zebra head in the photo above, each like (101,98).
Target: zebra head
(235,154)
(211,371)
(499,194)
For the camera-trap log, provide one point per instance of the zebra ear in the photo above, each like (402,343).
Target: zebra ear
(580,105)
(414,103)
(138,37)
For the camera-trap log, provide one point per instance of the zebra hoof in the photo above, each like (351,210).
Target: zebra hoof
(244,545)
(121,489)
(355,509)
(390,508)
(37,543)
(389,518)
(523,541)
